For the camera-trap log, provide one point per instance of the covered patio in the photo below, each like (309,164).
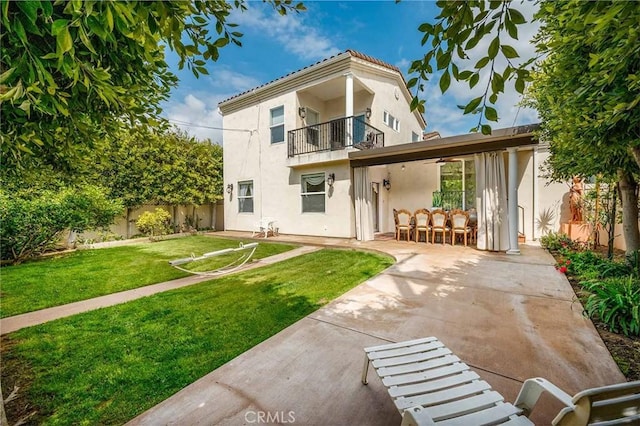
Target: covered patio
(509,317)
(408,176)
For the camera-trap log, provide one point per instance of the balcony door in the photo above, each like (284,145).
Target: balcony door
(313,130)
(359,125)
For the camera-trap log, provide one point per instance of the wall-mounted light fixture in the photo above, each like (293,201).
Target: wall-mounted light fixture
(331,179)
(229,188)
(387,183)
(367,113)
(302,112)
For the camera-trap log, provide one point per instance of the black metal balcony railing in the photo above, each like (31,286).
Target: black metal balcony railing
(334,135)
(449,200)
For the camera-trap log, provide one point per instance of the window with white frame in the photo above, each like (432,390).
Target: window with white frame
(277,124)
(391,121)
(245,196)
(313,193)
(457,185)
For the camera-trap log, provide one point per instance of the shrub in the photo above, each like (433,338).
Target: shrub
(588,265)
(555,242)
(33,224)
(616,302)
(154,224)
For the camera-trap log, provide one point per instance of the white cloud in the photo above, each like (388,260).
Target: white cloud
(403,64)
(198,114)
(291,31)
(441,110)
(232,81)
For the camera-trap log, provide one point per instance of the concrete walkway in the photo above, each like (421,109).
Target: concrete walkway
(510,317)
(14,323)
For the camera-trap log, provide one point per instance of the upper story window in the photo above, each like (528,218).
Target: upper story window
(245,196)
(415,137)
(313,190)
(391,121)
(277,124)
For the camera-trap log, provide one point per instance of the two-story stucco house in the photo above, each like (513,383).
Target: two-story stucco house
(293,165)
(332,149)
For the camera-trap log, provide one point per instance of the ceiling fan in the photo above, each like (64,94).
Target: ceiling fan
(446,160)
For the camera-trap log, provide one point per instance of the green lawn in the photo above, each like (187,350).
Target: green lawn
(109,365)
(85,274)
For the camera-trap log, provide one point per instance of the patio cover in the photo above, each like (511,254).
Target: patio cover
(494,218)
(459,145)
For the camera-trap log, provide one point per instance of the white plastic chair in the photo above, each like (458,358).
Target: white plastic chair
(431,386)
(266,226)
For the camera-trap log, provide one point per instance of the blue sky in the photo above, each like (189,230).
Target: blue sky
(274,46)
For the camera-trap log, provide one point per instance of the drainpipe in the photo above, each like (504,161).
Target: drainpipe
(348,107)
(513,201)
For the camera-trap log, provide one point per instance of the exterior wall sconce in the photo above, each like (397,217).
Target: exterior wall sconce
(387,183)
(229,188)
(367,113)
(302,112)
(331,179)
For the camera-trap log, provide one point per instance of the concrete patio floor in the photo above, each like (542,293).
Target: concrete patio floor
(509,317)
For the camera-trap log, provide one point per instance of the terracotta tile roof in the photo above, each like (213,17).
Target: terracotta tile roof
(349,52)
(373,60)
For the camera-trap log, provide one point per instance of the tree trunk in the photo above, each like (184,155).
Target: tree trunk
(629,200)
(613,213)
(635,151)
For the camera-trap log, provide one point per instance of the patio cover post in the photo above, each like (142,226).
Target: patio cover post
(513,201)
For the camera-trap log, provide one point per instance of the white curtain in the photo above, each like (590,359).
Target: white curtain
(364,212)
(491,202)
(315,179)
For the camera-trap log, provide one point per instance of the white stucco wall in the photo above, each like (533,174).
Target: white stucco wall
(277,180)
(277,188)
(553,205)
(389,97)
(411,188)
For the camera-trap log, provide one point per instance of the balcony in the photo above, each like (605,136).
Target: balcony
(334,135)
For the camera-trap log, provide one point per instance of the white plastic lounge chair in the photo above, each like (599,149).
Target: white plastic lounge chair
(431,386)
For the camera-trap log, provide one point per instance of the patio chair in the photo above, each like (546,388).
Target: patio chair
(266,226)
(431,386)
(403,224)
(460,225)
(422,224)
(439,225)
(473,224)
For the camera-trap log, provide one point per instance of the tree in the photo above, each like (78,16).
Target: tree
(584,116)
(459,28)
(32,224)
(72,72)
(588,84)
(141,166)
